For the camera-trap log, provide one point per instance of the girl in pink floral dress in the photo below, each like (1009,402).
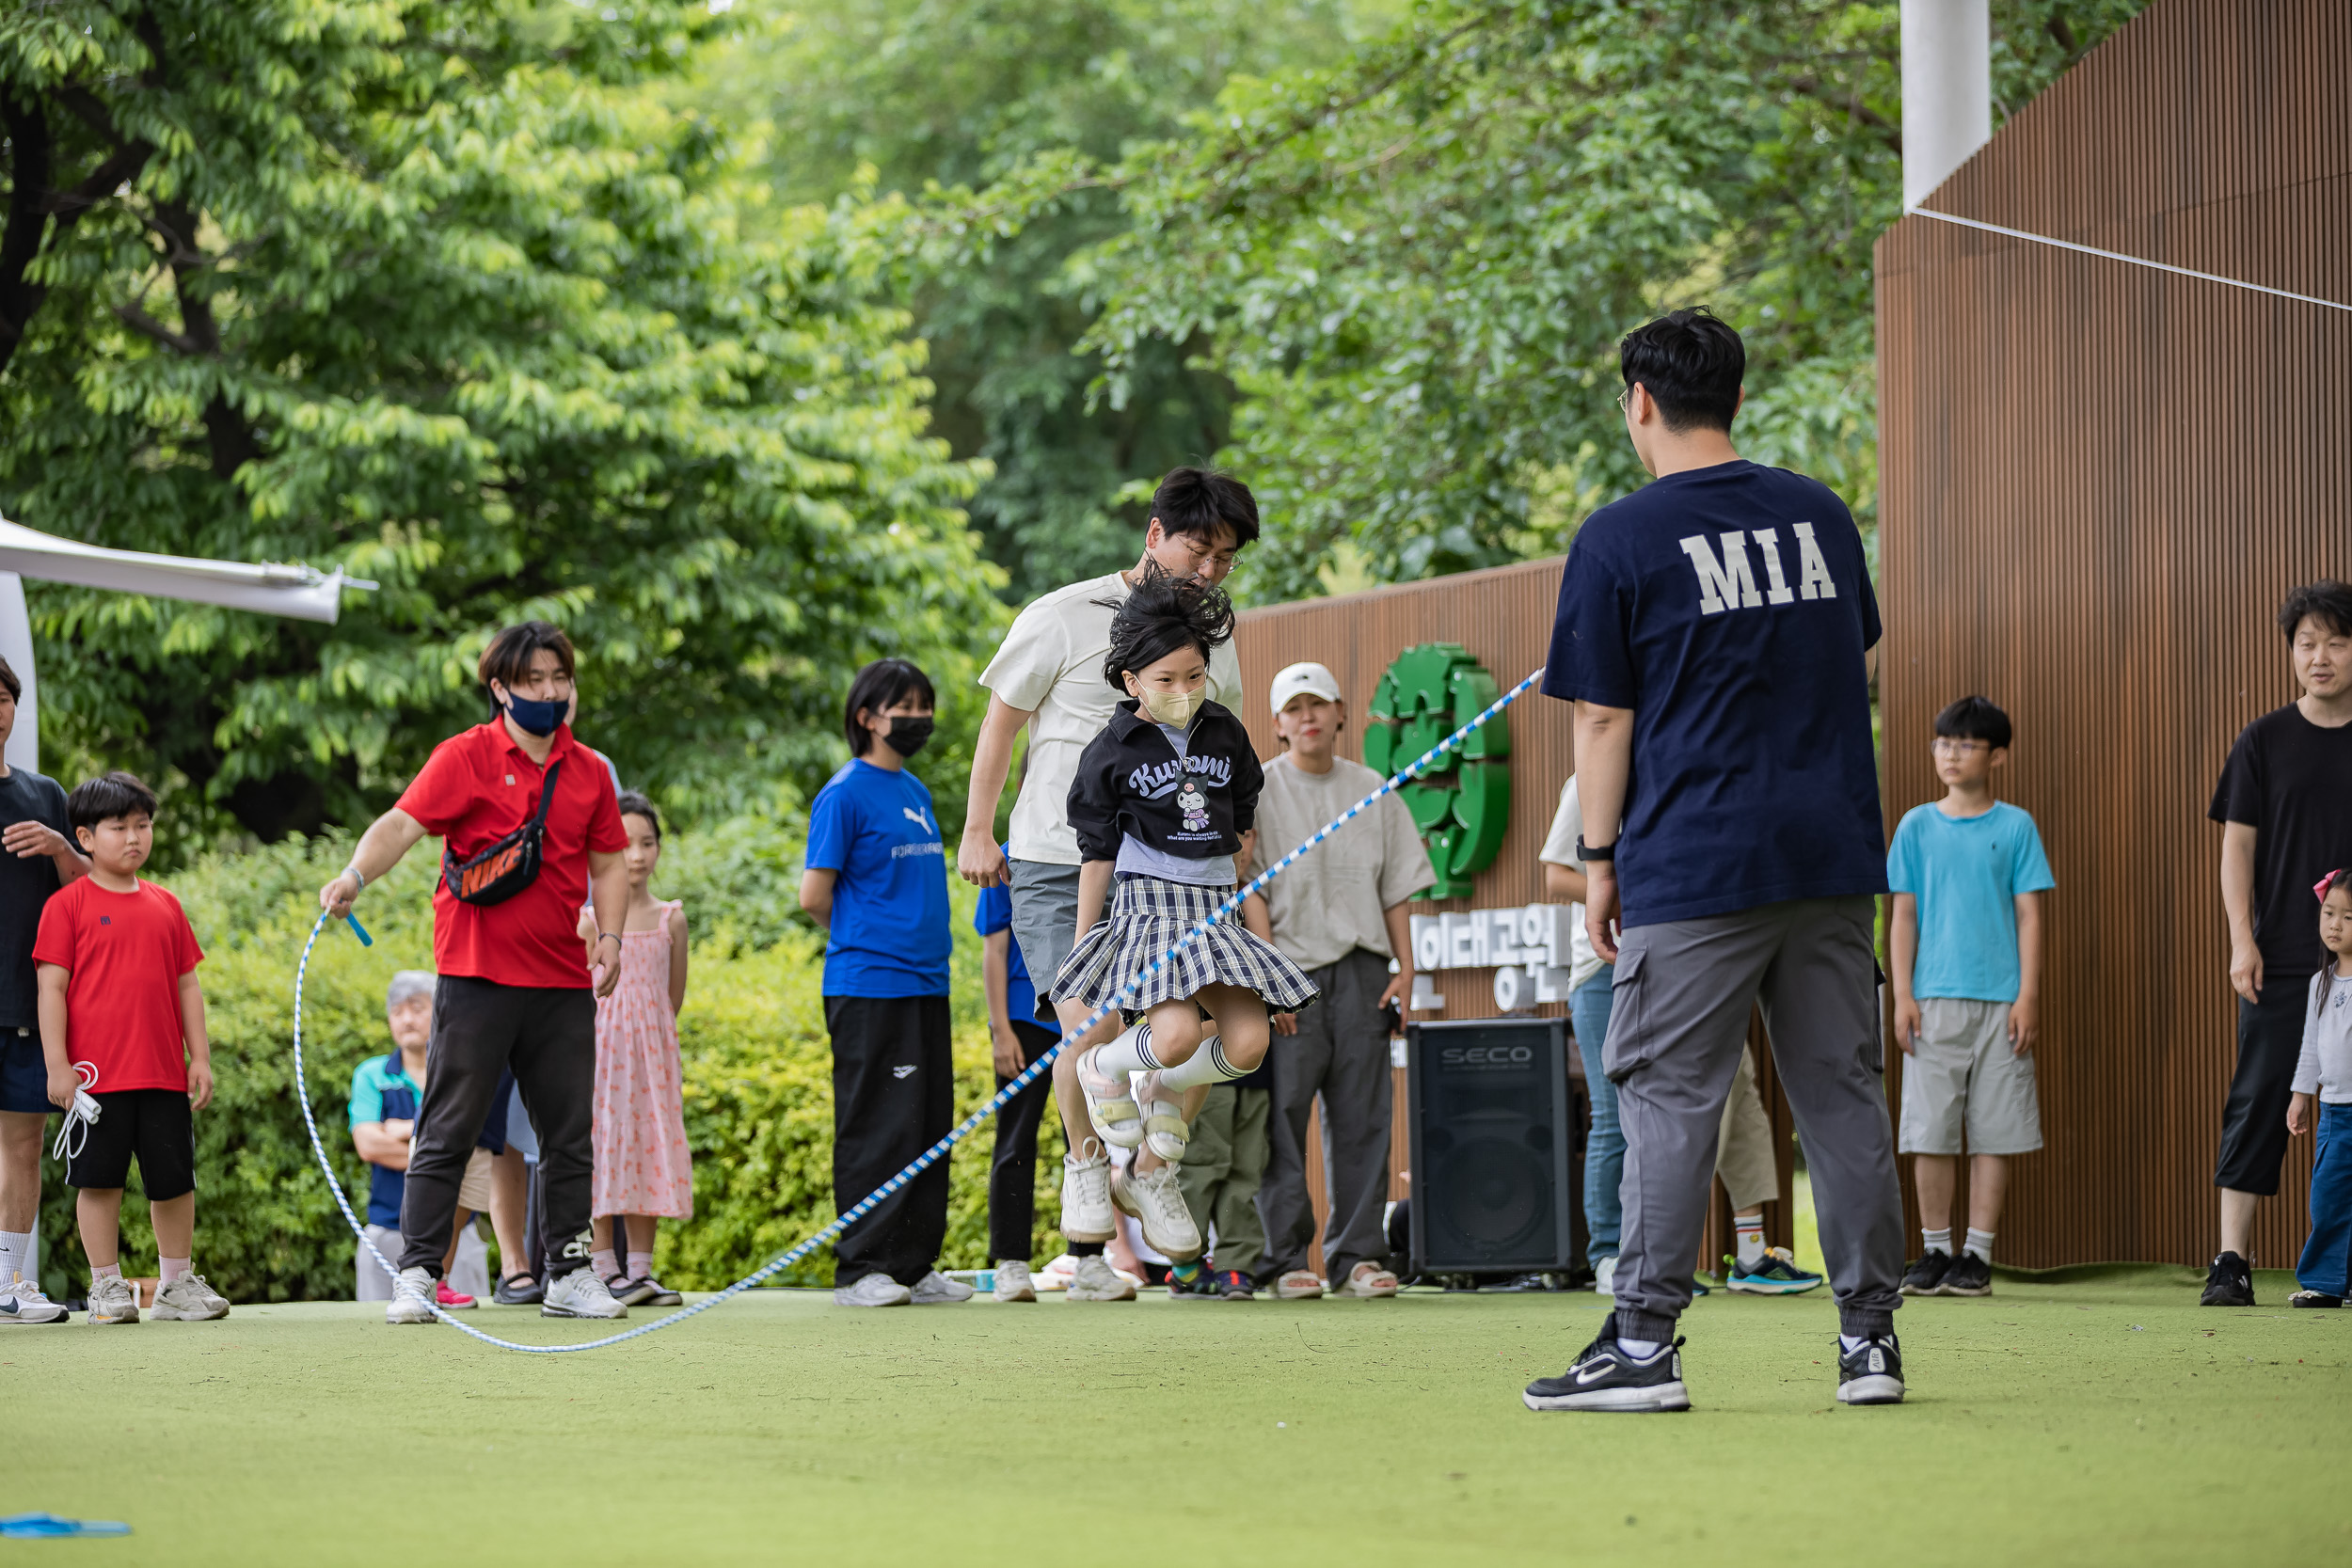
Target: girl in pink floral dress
(644,1171)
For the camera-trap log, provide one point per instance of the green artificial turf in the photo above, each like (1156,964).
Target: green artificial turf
(2094,1415)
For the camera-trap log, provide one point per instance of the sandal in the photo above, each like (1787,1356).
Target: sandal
(1164,1132)
(1111,1105)
(528,1293)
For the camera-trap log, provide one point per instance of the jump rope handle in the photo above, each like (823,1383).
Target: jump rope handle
(360,931)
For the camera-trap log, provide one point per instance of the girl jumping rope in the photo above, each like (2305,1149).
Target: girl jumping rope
(2324,1074)
(1160,801)
(644,1171)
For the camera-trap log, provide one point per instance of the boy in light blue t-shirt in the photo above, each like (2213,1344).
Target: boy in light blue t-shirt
(1965,955)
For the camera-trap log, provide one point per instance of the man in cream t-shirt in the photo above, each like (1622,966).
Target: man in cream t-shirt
(1048,676)
(1338,914)
(1744,1147)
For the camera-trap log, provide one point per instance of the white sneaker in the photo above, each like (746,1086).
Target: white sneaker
(1085,1199)
(113,1301)
(873,1289)
(412,1297)
(935,1289)
(21,1302)
(1605,1278)
(581,1295)
(1096,1280)
(1158,1205)
(189,1300)
(1014,1282)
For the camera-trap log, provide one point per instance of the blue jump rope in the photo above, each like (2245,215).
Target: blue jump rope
(936,1152)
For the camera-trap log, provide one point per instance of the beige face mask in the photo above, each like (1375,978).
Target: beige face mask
(1174,707)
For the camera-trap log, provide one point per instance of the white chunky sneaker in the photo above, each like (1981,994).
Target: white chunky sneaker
(581,1295)
(21,1302)
(188,1300)
(936,1289)
(873,1289)
(1014,1282)
(412,1297)
(113,1301)
(1085,1198)
(1096,1280)
(1158,1205)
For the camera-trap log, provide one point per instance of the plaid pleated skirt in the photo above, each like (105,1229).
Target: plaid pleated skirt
(1147,917)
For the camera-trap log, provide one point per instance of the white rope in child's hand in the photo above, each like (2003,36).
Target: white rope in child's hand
(74,1131)
(928,1157)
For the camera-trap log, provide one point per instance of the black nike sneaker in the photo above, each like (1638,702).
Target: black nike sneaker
(2229,1283)
(1926,1277)
(1969,1276)
(1604,1377)
(1872,1372)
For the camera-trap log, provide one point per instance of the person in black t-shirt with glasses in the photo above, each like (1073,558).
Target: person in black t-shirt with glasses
(40,859)
(2286,821)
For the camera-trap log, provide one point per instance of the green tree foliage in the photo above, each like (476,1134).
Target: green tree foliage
(1417,262)
(957,93)
(442,291)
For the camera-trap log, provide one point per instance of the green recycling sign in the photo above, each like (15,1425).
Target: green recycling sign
(1461,803)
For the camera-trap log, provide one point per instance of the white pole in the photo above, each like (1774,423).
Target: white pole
(1948,90)
(16,646)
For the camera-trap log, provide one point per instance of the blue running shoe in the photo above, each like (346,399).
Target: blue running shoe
(1774,1275)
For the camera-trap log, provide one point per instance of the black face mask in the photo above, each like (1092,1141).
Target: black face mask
(909,735)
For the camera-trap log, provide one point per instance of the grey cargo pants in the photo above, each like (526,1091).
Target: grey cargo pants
(1677,1021)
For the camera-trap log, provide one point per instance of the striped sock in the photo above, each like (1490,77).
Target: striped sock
(1750,1241)
(1938,1241)
(1981,1243)
(1187,1273)
(1206,1065)
(1130,1053)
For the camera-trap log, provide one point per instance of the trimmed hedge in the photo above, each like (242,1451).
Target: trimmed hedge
(757,1072)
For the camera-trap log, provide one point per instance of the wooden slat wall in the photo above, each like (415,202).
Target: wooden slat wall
(2097,481)
(1504,617)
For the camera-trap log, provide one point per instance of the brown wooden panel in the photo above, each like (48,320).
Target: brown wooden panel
(2097,479)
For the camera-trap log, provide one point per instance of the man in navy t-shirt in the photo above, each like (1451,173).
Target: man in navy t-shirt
(876,880)
(1713,631)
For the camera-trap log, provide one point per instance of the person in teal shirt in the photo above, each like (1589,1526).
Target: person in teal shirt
(1965,956)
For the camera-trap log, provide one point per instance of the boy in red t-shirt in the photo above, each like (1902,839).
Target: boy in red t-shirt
(119,1006)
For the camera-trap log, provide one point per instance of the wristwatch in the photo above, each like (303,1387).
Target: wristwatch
(1594,852)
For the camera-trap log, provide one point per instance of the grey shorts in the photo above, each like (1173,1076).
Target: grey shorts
(1962,1075)
(1044,922)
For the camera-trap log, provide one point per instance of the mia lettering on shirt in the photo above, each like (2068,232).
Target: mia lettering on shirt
(1729,607)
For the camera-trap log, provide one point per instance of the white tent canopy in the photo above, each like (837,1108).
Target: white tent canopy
(303,592)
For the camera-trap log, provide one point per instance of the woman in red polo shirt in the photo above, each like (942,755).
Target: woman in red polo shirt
(513,990)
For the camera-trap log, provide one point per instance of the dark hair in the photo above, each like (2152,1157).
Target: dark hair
(1975,719)
(8,678)
(507,659)
(634,804)
(881,684)
(1693,363)
(2327,884)
(2326,601)
(115,794)
(1161,615)
(1200,501)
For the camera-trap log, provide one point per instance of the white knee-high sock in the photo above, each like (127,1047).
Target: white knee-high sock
(1130,1053)
(1206,1065)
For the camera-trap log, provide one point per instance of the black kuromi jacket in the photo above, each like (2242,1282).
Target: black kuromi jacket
(1130,781)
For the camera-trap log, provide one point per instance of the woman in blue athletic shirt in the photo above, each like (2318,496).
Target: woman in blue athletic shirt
(877,881)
